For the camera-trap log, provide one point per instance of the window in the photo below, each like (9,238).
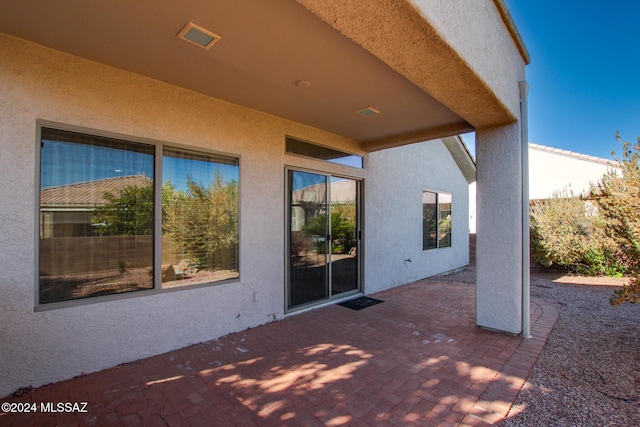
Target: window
(295,146)
(106,227)
(436,220)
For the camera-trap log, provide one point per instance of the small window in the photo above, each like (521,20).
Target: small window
(436,220)
(99,206)
(295,146)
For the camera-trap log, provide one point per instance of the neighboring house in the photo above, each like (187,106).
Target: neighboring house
(554,171)
(302,158)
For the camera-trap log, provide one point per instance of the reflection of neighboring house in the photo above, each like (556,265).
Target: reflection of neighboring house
(341,191)
(66,210)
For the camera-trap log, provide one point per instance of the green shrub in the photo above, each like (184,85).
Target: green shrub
(600,262)
(567,231)
(598,233)
(617,196)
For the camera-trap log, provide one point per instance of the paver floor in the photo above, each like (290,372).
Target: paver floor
(416,359)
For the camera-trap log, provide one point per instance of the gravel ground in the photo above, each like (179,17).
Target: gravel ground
(589,371)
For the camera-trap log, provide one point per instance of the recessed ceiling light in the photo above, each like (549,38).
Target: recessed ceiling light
(199,36)
(303,83)
(369,111)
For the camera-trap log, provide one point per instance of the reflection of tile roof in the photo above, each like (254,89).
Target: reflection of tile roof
(89,194)
(342,191)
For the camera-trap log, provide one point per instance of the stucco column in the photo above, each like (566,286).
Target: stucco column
(499,234)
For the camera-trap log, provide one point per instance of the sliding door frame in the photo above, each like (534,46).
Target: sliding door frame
(330,299)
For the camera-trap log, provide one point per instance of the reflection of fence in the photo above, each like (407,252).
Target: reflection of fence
(69,255)
(225,258)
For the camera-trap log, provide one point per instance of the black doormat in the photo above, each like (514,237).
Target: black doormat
(360,303)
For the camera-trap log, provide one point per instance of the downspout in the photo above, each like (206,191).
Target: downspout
(524,137)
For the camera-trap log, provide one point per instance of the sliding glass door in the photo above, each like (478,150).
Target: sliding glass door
(323,237)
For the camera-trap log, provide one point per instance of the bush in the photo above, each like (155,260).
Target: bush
(629,293)
(598,233)
(567,231)
(602,262)
(617,196)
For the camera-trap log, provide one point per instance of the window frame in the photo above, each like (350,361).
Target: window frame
(158,147)
(438,204)
(310,150)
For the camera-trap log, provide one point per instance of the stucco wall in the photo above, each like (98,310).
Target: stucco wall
(476,31)
(39,83)
(499,267)
(394,214)
(552,170)
(38,347)
(459,52)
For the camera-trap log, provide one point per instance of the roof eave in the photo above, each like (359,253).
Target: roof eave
(461,156)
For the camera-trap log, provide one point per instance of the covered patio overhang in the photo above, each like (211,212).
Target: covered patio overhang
(383,73)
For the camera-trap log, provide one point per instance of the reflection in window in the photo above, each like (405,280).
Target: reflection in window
(429,220)
(436,220)
(444,222)
(295,146)
(96,216)
(97,205)
(200,218)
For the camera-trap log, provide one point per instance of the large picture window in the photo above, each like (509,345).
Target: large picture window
(107,226)
(436,220)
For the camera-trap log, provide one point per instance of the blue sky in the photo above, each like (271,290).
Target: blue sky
(584,75)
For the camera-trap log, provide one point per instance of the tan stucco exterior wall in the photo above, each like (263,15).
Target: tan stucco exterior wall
(475,29)
(500,240)
(396,215)
(40,83)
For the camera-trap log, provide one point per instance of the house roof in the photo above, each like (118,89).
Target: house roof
(461,155)
(572,154)
(88,194)
(342,191)
(314,62)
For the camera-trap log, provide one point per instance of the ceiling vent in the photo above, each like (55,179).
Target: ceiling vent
(199,36)
(369,111)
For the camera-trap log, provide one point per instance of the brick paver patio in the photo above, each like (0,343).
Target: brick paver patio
(416,359)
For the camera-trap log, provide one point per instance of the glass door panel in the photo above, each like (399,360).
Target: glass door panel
(308,232)
(344,235)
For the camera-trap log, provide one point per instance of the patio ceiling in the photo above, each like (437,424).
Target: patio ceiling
(266,48)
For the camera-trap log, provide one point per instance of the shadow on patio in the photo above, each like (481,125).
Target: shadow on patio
(416,359)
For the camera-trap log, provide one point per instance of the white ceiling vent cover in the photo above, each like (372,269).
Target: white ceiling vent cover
(199,36)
